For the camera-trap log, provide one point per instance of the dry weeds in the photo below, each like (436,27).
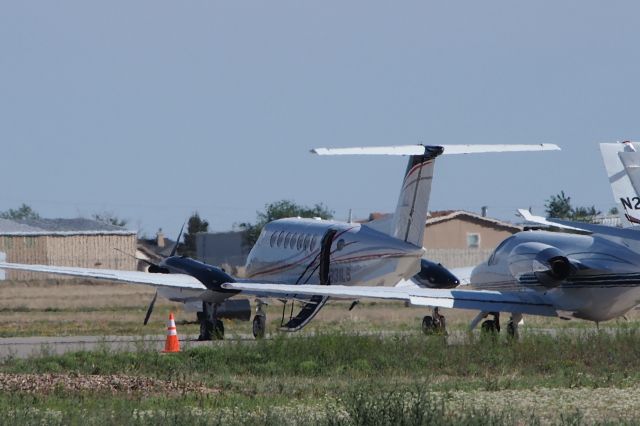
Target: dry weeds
(113,384)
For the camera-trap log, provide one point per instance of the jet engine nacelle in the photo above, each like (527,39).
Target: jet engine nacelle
(434,275)
(547,263)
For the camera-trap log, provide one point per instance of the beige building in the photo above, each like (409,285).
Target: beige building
(460,238)
(457,238)
(65,242)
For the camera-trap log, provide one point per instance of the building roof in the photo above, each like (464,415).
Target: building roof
(445,215)
(78,226)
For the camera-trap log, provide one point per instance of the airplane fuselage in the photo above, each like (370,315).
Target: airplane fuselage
(288,251)
(603,283)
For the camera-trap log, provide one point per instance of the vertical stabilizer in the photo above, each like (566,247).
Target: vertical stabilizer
(411,211)
(622,162)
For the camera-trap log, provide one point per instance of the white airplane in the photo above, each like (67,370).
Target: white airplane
(311,260)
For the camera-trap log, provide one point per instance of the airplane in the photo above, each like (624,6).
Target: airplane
(294,255)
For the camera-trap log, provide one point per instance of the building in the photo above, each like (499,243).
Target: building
(457,238)
(226,249)
(65,242)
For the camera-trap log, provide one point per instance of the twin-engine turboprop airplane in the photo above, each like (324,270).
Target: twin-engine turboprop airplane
(301,259)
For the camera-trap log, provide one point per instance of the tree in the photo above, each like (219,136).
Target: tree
(195,225)
(109,218)
(279,210)
(559,206)
(23,212)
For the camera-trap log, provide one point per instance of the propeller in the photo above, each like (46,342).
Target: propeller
(150,309)
(154,268)
(175,247)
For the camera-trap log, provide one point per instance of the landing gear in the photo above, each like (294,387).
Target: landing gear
(434,324)
(211,328)
(218,330)
(259,321)
(491,326)
(512,326)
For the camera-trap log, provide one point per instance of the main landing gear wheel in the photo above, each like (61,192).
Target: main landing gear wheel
(259,326)
(434,325)
(218,330)
(491,327)
(206,328)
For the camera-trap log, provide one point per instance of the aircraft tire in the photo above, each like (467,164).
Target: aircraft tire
(512,330)
(259,326)
(428,325)
(489,327)
(218,330)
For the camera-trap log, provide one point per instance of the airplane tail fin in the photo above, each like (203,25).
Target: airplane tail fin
(413,203)
(622,162)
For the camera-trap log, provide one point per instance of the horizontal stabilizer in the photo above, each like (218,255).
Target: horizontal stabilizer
(526,215)
(420,149)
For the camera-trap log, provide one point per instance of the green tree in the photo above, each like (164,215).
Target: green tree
(559,206)
(109,218)
(22,212)
(195,225)
(279,210)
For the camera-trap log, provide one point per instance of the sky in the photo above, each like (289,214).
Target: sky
(151,110)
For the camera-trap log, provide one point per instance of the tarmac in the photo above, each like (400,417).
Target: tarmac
(27,347)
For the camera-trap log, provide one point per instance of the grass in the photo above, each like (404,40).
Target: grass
(370,365)
(345,379)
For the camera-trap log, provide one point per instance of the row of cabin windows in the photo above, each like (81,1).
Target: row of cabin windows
(293,240)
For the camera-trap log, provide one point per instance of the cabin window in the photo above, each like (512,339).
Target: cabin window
(314,240)
(473,240)
(300,241)
(286,240)
(280,238)
(292,243)
(307,238)
(340,244)
(274,237)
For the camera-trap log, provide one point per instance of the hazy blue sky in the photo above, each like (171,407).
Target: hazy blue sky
(154,109)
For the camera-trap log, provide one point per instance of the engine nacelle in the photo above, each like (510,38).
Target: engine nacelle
(434,275)
(547,263)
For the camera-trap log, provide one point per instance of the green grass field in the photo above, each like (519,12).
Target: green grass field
(367,366)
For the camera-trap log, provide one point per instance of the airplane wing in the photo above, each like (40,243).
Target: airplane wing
(131,277)
(480,300)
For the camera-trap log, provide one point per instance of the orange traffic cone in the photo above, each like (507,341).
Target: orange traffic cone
(172,344)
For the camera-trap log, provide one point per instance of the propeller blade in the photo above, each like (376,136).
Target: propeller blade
(175,248)
(148,262)
(153,302)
